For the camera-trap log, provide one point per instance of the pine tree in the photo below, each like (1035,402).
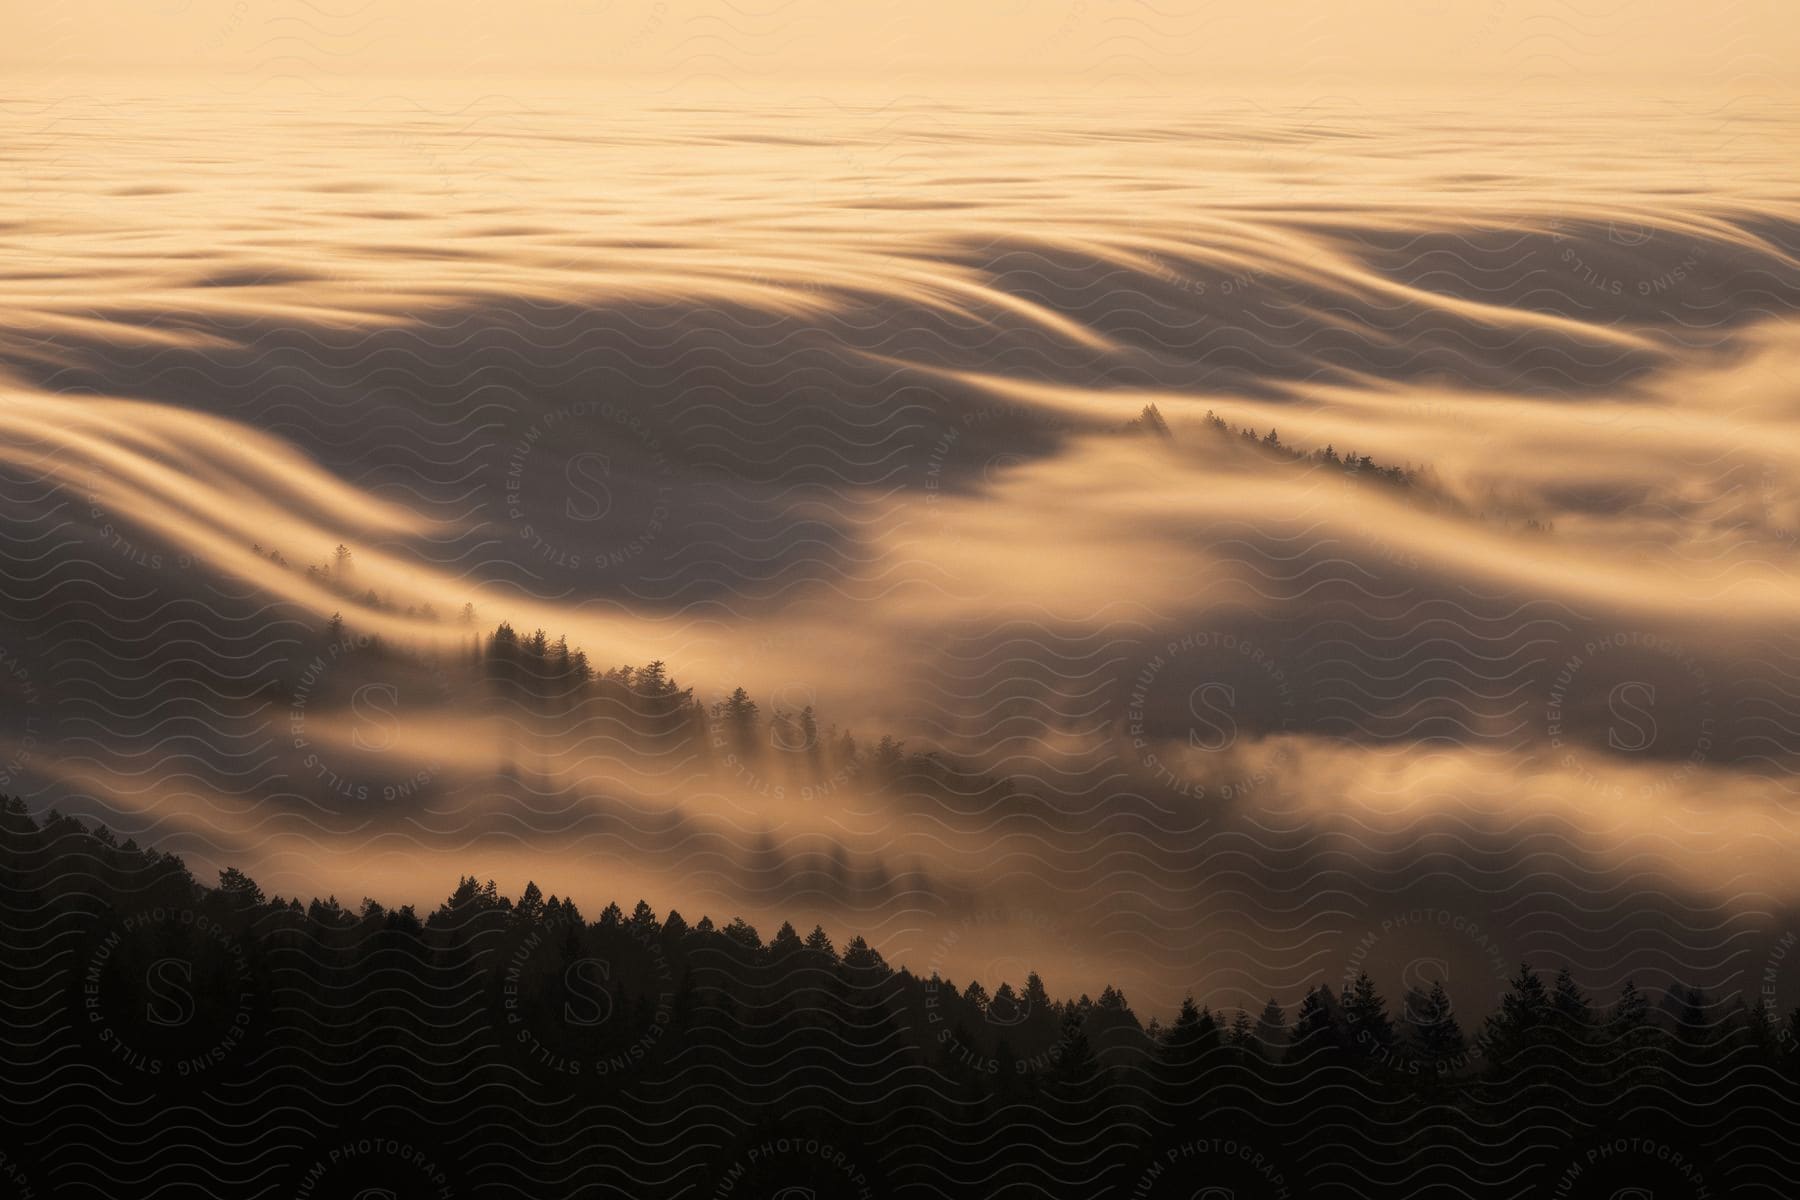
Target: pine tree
(860,955)
(818,943)
(240,889)
(1077,1065)
(738,715)
(1316,1030)
(1366,1016)
(1572,1026)
(1514,1035)
(653,680)
(531,904)
(1440,1037)
(786,941)
(1438,1049)
(1569,1006)
(744,934)
(1004,1009)
(1183,1047)
(1035,998)
(1271,1031)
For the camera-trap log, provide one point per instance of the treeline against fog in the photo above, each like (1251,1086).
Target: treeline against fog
(1420,485)
(544,701)
(524,1045)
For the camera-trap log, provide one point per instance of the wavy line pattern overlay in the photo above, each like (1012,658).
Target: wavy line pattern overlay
(1256,633)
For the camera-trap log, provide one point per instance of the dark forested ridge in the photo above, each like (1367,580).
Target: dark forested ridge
(170,1038)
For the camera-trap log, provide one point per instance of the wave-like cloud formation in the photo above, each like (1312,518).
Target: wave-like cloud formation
(842,405)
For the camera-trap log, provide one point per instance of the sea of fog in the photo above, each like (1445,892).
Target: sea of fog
(845,404)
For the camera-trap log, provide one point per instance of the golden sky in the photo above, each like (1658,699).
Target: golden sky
(1667,43)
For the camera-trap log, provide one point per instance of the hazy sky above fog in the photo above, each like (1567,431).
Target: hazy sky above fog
(1665,42)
